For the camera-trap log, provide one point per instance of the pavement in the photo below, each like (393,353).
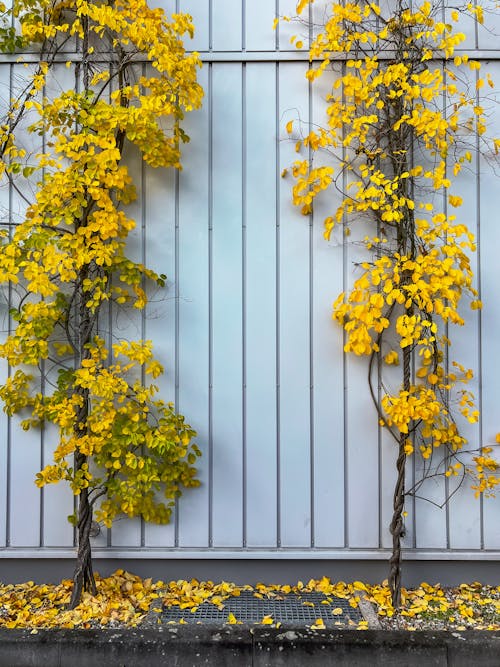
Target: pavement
(249,646)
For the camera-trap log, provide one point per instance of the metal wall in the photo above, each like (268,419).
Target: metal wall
(293,461)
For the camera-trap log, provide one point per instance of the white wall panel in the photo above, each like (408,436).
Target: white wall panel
(362,455)
(464,512)
(260,343)
(160,217)
(5,74)
(294,308)
(258,28)
(126,324)
(195,187)
(227,307)
(327,359)
(490,315)
(25,447)
(227,25)
(200,11)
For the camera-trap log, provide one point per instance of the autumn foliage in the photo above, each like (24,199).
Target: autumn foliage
(402,114)
(66,261)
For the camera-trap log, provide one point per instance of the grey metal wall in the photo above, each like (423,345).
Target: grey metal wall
(293,461)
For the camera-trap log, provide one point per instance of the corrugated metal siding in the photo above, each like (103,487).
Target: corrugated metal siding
(292,456)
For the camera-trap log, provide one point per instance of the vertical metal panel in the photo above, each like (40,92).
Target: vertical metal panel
(25,447)
(193,277)
(259,16)
(4,458)
(24,496)
(57,499)
(388,454)
(362,483)
(294,323)
(127,323)
(431,510)
(327,357)
(202,20)
(227,306)
(490,315)
(287,29)
(227,25)
(160,221)
(4,325)
(487,34)
(260,306)
(464,510)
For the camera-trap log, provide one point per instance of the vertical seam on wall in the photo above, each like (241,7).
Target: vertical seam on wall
(311,326)
(244,300)
(278,307)
(176,324)
(380,430)
(413,458)
(9,330)
(447,359)
(210,302)
(109,531)
(143,285)
(41,539)
(344,365)
(478,312)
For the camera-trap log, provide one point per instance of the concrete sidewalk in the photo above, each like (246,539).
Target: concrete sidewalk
(246,646)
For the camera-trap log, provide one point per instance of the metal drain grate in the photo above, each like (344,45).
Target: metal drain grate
(292,609)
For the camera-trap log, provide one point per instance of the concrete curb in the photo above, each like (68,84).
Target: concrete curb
(239,645)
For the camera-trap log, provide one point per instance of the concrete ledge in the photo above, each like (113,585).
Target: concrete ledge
(238,645)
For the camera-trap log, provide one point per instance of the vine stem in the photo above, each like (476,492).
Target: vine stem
(83,577)
(397,525)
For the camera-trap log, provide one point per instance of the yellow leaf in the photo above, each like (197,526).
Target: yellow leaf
(337,611)
(267,620)
(289,126)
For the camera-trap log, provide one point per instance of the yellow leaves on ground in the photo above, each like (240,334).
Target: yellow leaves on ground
(467,606)
(123,599)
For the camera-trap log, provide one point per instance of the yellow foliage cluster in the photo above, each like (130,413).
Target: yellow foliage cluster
(67,258)
(395,146)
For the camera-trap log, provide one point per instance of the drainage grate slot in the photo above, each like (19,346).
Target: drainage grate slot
(291,609)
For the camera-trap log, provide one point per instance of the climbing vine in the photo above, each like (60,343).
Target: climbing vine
(401,118)
(66,259)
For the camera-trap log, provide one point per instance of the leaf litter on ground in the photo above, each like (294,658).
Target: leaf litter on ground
(124,600)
